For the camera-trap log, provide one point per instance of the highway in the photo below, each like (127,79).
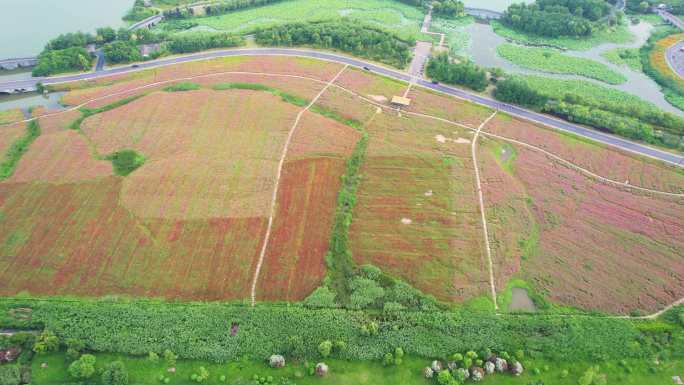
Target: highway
(675,58)
(676,159)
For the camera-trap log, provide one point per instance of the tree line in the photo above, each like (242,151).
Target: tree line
(464,73)
(448,8)
(554,18)
(216,8)
(345,35)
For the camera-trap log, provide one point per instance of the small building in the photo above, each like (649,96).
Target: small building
(401,101)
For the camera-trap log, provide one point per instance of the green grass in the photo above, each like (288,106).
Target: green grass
(17,149)
(395,16)
(618,35)
(551,60)
(144,372)
(184,86)
(628,57)
(457,38)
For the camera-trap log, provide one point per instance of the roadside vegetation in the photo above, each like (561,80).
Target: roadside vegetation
(139,12)
(344,35)
(605,109)
(464,73)
(550,60)
(17,149)
(654,63)
(628,57)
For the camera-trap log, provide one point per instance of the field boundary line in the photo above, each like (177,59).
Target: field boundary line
(483,217)
(274,196)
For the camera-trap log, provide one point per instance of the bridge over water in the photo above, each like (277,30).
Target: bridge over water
(11,64)
(482,13)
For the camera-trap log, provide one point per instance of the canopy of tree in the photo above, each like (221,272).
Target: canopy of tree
(199,41)
(139,12)
(555,18)
(62,60)
(345,35)
(448,8)
(464,73)
(216,8)
(518,92)
(120,51)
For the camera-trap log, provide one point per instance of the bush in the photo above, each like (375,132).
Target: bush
(126,161)
(121,52)
(322,297)
(74,348)
(10,375)
(170,358)
(388,359)
(345,35)
(325,348)
(200,41)
(153,357)
(464,73)
(83,368)
(46,342)
(183,86)
(73,59)
(365,293)
(17,150)
(115,374)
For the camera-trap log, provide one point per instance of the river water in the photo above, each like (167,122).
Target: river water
(28,24)
(482,50)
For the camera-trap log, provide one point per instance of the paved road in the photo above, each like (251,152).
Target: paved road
(100,60)
(675,58)
(611,140)
(674,20)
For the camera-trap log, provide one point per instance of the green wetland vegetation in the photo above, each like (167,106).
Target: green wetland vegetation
(628,57)
(618,35)
(550,60)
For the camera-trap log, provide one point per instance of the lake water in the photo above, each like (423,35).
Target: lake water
(28,24)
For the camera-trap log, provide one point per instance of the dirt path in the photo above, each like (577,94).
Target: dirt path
(274,196)
(488,249)
(579,169)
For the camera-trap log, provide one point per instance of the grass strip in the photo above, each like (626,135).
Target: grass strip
(86,112)
(18,148)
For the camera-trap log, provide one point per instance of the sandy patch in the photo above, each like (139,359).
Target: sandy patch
(406,221)
(378,98)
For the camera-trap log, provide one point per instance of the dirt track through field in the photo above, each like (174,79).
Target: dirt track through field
(480,196)
(581,170)
(274,197)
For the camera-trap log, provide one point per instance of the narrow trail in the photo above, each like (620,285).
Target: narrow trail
(327,84)
(274,196)
(488,249)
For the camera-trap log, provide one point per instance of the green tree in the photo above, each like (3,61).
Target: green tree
(170,358)
(10,375)
(115,374)
(83,368)
(325,348)
(47,341)
(121,52)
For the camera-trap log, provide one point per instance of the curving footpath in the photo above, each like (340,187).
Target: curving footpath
(624,144)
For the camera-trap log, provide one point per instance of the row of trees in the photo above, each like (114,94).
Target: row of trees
(345,35)
(464,73)
(448,8)
(219,8)
(552,23)
(199,41)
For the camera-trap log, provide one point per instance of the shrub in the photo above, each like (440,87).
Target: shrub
(74,348)
(73,59)
(464,73)
(322,297)
(325,348)
(47,341)
(121,52)
(17,150)
(388,359)
(115,374)
(10,375)
(126,161)
(201,375)
(153,357)
(183,86)
(200,41)
(83,368)
(365,292)
(170,357)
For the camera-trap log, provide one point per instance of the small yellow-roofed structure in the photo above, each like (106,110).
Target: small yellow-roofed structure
(401,101)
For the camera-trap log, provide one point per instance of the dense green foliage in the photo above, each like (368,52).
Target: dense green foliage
(115,374)
(218,8)
(555,18)
(183,86)
(463,73)
(551,60)
(518,92)
(608,110)
(10,375)
(71,39)
(345,35)
(17,149)
(126,161)
(139,12)
(624,56)
(71,59)
(669,85)
(120,51)
(202,330)
(448,8)
(199,41)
